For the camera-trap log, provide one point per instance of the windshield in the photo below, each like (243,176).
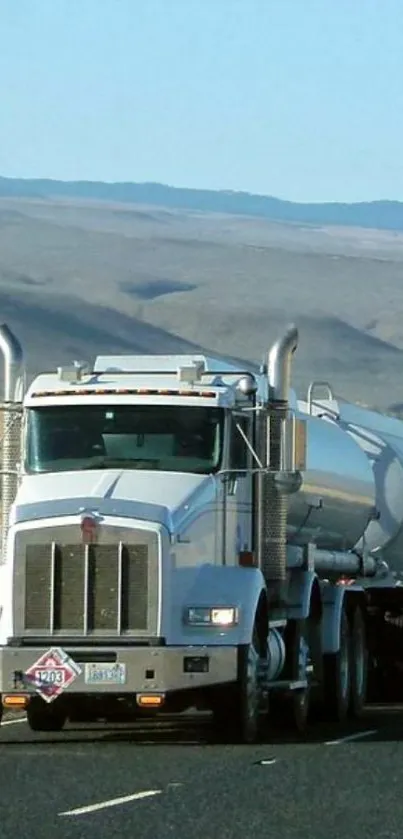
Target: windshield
(162,437)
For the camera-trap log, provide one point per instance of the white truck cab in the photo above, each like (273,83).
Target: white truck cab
(179,533)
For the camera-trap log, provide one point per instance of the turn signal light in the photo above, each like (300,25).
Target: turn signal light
(150,700)
(16,701)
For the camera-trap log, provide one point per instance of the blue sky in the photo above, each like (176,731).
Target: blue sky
(302,99)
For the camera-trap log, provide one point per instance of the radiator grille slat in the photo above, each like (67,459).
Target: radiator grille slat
(38,564)
(134,587)
(69,587)
(103,594)
(121,595)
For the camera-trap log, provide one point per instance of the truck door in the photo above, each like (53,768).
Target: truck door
(237,492)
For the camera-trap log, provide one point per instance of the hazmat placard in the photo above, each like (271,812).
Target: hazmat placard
(52,673)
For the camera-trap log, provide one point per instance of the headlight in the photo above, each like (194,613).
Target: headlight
(211,616)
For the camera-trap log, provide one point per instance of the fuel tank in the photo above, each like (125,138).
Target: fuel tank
(337,496)
(380,438)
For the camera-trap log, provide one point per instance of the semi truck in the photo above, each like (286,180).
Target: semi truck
(179,533)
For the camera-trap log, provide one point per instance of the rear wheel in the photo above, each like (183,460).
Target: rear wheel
(302,638)
(42,717)
(337,675)
(359,663)
(308,651)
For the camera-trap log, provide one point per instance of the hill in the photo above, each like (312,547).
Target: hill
(81,277)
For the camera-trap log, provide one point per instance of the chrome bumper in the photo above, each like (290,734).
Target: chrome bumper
(140,669)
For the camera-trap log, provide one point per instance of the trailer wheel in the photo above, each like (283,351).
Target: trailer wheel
(337,675)
(41,717)
(237,711)
(359,663)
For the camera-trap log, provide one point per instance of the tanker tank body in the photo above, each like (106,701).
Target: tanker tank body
(380,437)
(336,498)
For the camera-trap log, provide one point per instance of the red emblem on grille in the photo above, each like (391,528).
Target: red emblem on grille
(88,530)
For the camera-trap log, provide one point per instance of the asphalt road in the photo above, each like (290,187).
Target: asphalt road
(144,782)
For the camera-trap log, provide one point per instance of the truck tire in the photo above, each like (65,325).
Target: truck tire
(337,676)
(237,711)
(42,717)
(303,644)
(306,641)
(359,663)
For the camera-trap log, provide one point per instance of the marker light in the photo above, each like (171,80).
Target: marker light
(150,700)
(121,391)
(16,701)
(211,616)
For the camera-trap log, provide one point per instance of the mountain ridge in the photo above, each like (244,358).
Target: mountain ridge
(382,214)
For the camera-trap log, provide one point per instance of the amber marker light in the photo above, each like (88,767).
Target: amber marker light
(15,701)
(150,700)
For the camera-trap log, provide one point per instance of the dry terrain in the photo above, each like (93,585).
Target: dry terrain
(82,277)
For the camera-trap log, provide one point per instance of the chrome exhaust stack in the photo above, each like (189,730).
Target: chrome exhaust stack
(279,366)
(273,496)
(11,416)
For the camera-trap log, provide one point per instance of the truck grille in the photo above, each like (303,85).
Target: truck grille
(67,588)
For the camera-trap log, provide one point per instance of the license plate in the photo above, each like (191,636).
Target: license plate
(105,674)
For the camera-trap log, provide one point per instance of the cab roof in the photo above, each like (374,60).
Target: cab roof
(195,379)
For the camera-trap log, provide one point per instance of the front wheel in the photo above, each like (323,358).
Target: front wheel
(237,711)
(42,717)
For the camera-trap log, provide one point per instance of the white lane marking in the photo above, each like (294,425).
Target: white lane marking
(113,802)
(268,761)
(13,722)
(359,736)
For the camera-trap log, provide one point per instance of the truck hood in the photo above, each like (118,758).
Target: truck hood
(164,497)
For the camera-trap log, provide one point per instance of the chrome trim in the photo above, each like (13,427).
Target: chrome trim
(120,587)
(86,588)
(52,589)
